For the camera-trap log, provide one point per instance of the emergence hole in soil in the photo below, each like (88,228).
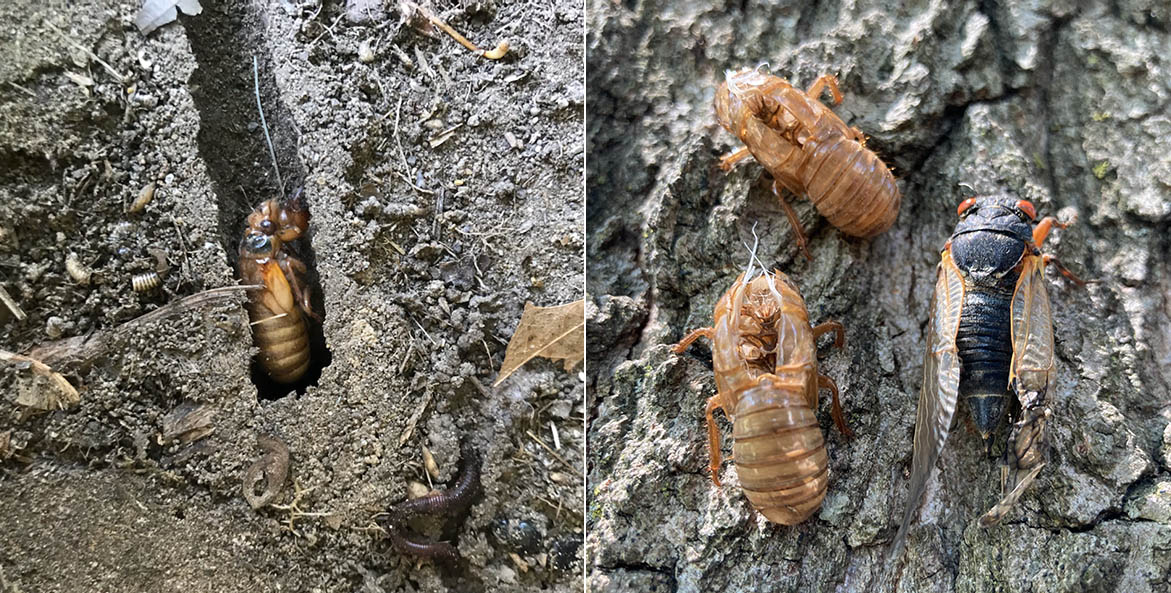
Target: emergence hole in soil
(232,144)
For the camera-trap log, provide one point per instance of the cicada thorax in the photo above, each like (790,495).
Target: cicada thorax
(771,398)
(746,113)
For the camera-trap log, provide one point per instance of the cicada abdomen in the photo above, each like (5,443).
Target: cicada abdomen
(765,364)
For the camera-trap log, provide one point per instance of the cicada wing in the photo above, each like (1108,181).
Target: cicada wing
(1031,377)
(278,296)
(1033,366)
(941,383)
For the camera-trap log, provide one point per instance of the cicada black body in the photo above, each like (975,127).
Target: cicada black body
(990,338)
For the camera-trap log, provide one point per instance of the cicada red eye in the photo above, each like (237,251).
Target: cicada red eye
(1027,207)
(964,205)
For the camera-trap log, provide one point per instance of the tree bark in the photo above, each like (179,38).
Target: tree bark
(1061,105)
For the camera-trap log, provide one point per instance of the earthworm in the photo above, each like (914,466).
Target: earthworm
(448,502)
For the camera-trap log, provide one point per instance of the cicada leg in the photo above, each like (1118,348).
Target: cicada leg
(1043,228)
(703,332)
(713,437)
(733,158)
(1064,271)
(1040,233)
(798,232)
(823,81)
(294,270)
(824,382)
(1023,457)
(831,326)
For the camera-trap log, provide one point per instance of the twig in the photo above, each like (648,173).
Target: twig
(269,319)
(328,29)
(480,386)
(420,326)
(549,449)
(121,78)
(414,419)
(402,155)
(493,54)
(71,397)
(263,124)
(84,349)
(21,89)
(11,304)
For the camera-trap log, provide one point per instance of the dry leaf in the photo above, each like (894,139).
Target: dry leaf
(556,333)
(188,422)
(272,469)
(156,13)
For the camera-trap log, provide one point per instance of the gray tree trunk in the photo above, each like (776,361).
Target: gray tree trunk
(1060,104)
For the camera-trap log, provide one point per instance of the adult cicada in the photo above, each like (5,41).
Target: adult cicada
(990,338)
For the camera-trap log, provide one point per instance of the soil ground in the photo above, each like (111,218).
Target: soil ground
(445,191)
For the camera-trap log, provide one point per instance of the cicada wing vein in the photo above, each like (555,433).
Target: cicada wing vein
(941,380)
(1033,365)
(1031,377)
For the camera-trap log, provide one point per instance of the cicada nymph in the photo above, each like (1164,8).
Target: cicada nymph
(277,311)
(764,355)
(808,150)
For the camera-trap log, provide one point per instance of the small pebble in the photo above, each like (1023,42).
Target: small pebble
(416,490)
(365,52)
(55,327)
(429,463)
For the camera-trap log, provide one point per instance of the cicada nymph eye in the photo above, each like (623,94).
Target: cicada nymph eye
(258,243)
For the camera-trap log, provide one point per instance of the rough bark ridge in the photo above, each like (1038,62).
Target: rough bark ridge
(1062,105)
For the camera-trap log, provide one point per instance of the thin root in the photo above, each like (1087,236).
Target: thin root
(493,54)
